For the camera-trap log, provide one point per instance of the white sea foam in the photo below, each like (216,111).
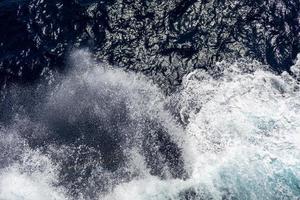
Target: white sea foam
(244,124)
(241,138)
(34,177)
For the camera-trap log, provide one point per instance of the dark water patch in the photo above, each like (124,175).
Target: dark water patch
(177,37)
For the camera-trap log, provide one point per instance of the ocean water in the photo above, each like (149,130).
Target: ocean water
(99,132)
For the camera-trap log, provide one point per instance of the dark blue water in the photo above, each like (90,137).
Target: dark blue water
(37,35)
(149,99)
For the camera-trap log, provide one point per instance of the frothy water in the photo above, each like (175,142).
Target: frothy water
(232,132)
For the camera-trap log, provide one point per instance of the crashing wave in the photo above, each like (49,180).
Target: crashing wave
(103,133)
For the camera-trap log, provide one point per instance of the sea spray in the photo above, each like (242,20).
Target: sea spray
(103,133)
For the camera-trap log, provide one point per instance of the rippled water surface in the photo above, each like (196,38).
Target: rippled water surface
(149,100)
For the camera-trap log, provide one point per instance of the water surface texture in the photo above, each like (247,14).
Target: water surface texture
(149,100)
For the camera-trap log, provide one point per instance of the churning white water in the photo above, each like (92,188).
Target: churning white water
(239,137)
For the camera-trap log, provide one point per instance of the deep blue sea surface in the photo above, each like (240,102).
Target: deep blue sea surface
(149,99)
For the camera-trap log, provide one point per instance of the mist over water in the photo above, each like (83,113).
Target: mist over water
(232,132)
